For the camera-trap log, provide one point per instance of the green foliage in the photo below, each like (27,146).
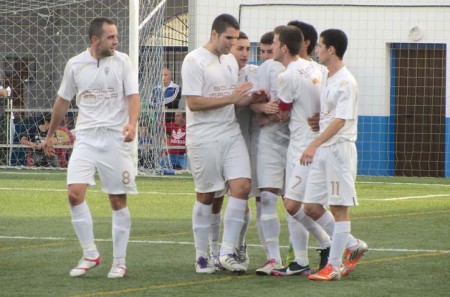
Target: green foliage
(405,221)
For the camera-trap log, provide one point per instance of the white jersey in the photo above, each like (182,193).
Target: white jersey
(207,75)
(244,115)
(339,99)
(274,133)
(100,88)
(300,85)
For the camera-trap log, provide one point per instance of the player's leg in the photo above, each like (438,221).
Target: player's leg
(206,170)
(80,174)
(296,183)
(121,227)
(214,234)
(236,168)
(116,172)
(271,161)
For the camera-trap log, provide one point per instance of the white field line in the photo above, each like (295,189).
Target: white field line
(167,242)
(193,194)
(408,197)
(89,191)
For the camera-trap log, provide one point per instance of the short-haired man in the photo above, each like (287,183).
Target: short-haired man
(216,149)
(298,91)
(333,158)
(265,46)
(107,94)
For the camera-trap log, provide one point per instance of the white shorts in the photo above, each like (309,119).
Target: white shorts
(214,163)
(332,175)
(296,180)
(271,163)
(103,150)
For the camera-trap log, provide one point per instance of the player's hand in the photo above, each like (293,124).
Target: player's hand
(260,96)
(313,122)
(129,131)
(308,155)
(47,147)
(271,107)
(240,93)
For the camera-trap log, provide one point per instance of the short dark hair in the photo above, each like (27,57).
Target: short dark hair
(309,33)
(96,26)
(242,35)
(290,36)
(224,21)
(267,38)
(337,39)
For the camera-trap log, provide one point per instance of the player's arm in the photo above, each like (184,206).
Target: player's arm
(58,113)
(134,110)
(329,132)
(200,103)
(285,110)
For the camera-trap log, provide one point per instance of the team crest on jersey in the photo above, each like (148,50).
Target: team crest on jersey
(344,83)
(106,70)
(315,81)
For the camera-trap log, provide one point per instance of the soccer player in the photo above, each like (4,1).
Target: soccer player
(215,146)
(333,158)
(107,96)
(298,91)
(265,46)
(250,132)
(271,160)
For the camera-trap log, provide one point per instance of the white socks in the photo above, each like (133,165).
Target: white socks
(298,236)
(243,234)
(84,229)
(232,224)
(327,222)
(259,229)
(340,235)
(270,224)
(314,228)
(201,224)
(214,234)
(121,226)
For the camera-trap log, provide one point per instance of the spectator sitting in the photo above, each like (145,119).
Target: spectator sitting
(34,138)
(169,92)
(176,132)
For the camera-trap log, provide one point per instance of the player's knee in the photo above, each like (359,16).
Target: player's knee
(291,207)
(241,190)
(313,211)
(75,197)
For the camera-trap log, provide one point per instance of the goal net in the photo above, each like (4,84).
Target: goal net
(37,39)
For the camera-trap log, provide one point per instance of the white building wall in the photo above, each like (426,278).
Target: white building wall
(371,25)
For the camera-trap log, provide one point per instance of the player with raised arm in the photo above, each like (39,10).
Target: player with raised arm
(216,148)
(333,158)
(107,95)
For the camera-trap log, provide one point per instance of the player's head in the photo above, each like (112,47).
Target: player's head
(224,33)
(309,35)
(287,40)
(167,76)
(103,36)
(241,49)
(332,42)
(265,46)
